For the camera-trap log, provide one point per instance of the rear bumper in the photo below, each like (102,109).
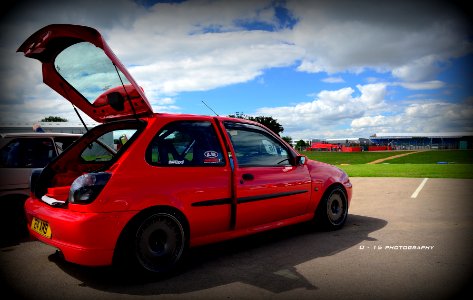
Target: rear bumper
(84,238)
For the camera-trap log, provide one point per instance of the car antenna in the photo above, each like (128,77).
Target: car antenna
(210,108)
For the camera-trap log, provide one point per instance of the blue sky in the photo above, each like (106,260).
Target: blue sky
(323,69)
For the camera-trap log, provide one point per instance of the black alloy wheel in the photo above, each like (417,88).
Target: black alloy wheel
(333,209)
(160,242)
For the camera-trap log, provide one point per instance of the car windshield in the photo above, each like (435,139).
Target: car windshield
(88,70)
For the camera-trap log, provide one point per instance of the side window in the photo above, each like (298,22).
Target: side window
(28,153)
(255,147)
(106,146)
(185,143)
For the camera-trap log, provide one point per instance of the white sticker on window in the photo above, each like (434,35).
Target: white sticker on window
(270,148)
(211,154)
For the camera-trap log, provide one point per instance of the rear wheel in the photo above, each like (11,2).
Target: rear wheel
(155,243)
(333,209)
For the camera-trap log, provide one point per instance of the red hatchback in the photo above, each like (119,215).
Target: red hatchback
(143,187)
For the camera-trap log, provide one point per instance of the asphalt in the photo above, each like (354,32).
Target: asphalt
(393,246)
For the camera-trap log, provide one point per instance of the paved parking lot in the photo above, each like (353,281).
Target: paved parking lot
(394,246)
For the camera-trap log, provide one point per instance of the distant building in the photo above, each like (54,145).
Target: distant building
(397,141)
(64,127)
(412,141)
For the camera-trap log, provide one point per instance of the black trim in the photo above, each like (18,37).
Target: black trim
(231,161)
(270,196)
(247,199)
(212,202)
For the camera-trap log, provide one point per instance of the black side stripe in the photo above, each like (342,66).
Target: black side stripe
(270,196)
(213,202)
(247,199)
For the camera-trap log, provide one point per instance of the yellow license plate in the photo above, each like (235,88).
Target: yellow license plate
(41,227)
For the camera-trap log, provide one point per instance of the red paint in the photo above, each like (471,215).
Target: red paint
(217,201)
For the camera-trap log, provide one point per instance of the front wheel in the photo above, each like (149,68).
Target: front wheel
(332,211)
(159,242)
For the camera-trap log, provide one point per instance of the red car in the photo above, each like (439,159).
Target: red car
(143,187)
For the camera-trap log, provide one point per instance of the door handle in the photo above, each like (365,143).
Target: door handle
(247,176)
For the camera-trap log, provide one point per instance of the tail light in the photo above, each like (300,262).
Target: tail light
(87,187)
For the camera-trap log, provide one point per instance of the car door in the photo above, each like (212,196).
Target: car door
(188,166)
(268,186)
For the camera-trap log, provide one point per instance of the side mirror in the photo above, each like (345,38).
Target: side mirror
(301,160)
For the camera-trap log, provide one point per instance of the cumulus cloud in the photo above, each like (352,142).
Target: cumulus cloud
(329,110)
(425,85)
(420,69)
(202,45)
(337,79)
(340,113)
(432,116)
(385,36)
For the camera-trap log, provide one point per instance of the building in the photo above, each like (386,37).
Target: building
(412,141)
(64,127)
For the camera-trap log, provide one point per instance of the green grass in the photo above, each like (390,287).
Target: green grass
(410,170)
(418,164)
(434,157)
(351,158)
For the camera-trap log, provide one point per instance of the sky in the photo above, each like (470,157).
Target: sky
(322,69)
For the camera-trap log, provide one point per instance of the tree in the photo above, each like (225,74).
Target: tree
(301,145)
(288,139)
(269,122)
(53,119)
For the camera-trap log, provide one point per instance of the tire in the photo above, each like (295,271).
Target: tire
(332,212)
(159,242)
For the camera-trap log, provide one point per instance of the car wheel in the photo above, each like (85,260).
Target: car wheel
(333,209)
(159,242)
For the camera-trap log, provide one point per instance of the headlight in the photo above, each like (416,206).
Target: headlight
(87,187)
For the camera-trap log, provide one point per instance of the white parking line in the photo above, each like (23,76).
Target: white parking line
(419,188)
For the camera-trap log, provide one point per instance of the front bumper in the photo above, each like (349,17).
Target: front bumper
(84,238)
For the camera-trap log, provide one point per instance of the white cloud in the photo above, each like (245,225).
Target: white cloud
(418,70)
(426,85)
(337,79)
(341,114)
(384,36)
(202,45)
(216,66)
(432,116)
(328,111)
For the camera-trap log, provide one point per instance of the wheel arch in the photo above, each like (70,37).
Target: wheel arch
(320,220)
(332,187)
(124,236)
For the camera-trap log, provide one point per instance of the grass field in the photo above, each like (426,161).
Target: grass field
(431,164)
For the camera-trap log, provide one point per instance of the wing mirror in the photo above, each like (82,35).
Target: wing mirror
(301,160)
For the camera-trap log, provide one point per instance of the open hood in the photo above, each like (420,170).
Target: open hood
(80,66)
